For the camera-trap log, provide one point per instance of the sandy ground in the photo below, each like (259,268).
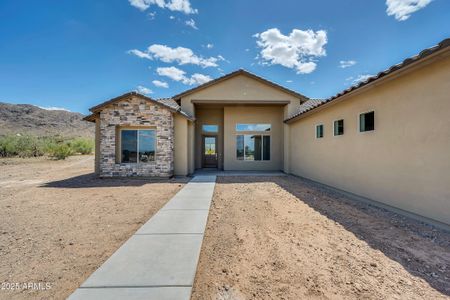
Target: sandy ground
(286,238)
(58,223)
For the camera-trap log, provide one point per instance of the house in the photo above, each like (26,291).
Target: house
(386,139)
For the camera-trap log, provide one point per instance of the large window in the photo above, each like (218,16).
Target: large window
(253,147)
(137,146)
(253,127)
(319,131)
(338,127)
(367,121)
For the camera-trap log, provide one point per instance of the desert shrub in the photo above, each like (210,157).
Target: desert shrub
(22,146)
(82,145)
(59,150)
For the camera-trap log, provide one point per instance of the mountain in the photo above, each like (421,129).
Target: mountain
(30,119)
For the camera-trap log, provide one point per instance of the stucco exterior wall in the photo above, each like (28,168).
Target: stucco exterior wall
(405,162)
(181,153)
(137,113)
(240,88)
(253,114)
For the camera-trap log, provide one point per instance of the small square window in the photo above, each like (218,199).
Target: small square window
(338,127)
(367,121)
(319,131)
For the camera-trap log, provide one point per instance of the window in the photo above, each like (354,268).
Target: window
(137,146)
(210,128)
(253,147)
(253,127)
(367,121)
(338,127)
(319,131)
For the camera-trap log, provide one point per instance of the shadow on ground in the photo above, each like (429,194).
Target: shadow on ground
(421,249)
(91,180)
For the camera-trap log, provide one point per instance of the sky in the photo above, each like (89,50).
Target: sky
(76,54)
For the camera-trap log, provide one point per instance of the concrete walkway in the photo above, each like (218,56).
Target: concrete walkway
(160,260)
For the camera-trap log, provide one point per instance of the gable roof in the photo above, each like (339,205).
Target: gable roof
(237,73)
(165,102)
(443,45)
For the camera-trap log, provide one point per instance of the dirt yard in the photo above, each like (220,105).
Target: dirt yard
(58,223)
(285,238)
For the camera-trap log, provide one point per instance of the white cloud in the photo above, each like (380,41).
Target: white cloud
(180,55)
(359,78)
(143,90)
(139,53)
(402,9)
(180,75)
(152,15)
(191,23)
(53,108)
(289,81)
(296,51)
(209,46)
(171,17)
(347,63)
(173,5)
(161,84)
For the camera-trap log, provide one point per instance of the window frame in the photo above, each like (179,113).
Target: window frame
(334,127)
(258,133)
(358,118)
(119,144)
(323,131)
(210,132)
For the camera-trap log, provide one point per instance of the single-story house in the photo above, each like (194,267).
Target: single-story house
(385,139)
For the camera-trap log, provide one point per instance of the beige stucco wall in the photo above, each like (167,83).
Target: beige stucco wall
(405,162)
(253,114)
(208,116)
(241,88)
(181,153)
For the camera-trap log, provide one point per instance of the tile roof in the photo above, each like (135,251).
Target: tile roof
(416,58)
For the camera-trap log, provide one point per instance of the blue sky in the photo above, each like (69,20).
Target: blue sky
(75,54)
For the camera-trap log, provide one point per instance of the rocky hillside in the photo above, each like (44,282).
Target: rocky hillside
(30,119)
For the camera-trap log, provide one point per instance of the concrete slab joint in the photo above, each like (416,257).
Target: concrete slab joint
(160,260)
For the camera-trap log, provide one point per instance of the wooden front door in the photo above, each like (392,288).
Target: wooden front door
(209,152)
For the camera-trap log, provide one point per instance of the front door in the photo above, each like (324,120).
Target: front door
(209,151)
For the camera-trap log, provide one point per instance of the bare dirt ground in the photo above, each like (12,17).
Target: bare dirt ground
(58,222)
(287,238)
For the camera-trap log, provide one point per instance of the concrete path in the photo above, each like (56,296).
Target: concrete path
(160,260)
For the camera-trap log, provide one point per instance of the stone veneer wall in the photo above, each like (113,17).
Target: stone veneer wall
(136,112)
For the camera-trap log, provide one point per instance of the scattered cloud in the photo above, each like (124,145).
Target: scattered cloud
(347,63)
(143,90)
(359,78)
(152,15)
(296,50)
(179,75)
(209,46)
(289,81)
(191,23)
(246,50)
(183,6)
(53,108)
(160,84)
(180,55)
(139,54)
(171,17)
(402,9)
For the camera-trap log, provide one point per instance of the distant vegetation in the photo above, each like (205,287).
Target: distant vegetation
(55,147)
